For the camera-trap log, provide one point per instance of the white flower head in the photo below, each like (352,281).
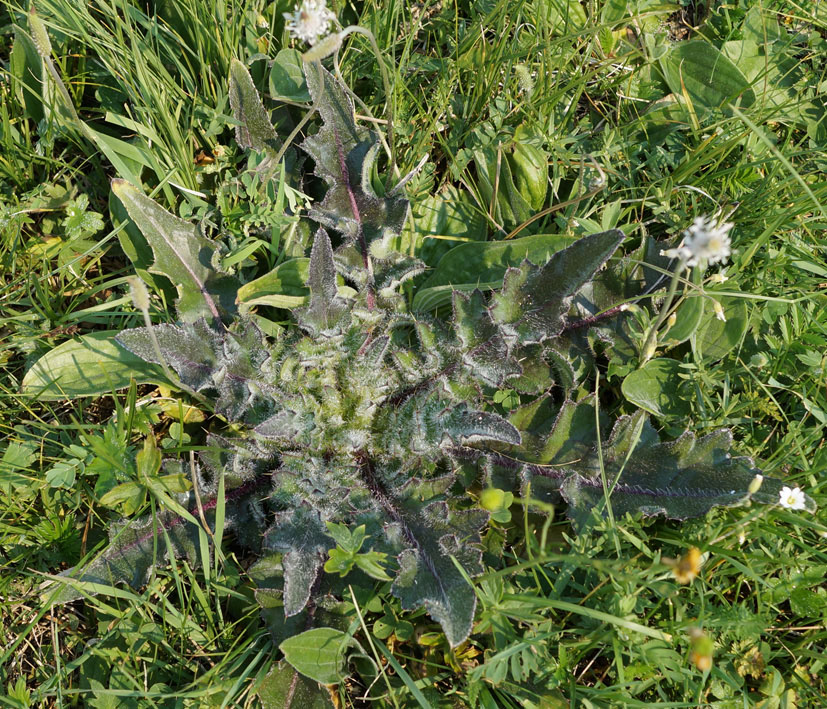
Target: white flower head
(792,498)
(309,22)
(703,242)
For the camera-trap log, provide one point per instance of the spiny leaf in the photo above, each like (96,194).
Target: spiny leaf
(679,479)
(325,309)
(344,154)
(183,255)
(138,546)
(427,574)
(534,301)
(254,130)
(484,351)
(302,536)
(231,363)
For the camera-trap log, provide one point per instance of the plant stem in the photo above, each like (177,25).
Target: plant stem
(387,86)
(650,343)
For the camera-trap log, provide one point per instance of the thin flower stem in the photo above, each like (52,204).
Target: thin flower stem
(338,74)
(301,124)
(387,86)
(650,344)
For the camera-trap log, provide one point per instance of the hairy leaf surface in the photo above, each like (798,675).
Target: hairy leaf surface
(183,255)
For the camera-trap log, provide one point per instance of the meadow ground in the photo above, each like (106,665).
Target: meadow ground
(525,117)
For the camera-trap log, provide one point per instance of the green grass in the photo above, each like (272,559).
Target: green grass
(560,623)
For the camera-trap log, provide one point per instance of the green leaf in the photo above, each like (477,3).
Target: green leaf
(688,316)
(92,365)
(657,388)
(287,80)
(373,563)
(17,458)
(319,654)
(64,473)
(534,301)
(254,130)
(484,352)
(127,497)
(285,286)
(715,338)
(709,78)
(344,155)
(281,689)
(680,479)
(148,459)
(26,66)
(183,255)
(529,166)
(427,574)
(483,264)
(494,171)
(444,219)
(339,562)
(326,309)
(300,534)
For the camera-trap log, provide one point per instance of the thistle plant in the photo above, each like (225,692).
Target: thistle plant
(365,420)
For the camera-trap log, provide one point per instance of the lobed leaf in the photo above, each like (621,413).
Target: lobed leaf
(183,255)
(231,363)
(534,301)
(326,309)
(344,155)
(428,575)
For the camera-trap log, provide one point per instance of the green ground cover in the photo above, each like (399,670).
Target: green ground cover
(545,119)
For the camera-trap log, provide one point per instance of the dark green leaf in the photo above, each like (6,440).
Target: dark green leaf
(183,255)
(533,301)
(484,351)
(325,309)
(281,689)
(300,534)
(344,155)
(254,130)
(684,478)
(427,574)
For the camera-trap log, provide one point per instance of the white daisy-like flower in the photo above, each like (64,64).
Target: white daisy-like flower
(703,242)
(309,22)
(792,498)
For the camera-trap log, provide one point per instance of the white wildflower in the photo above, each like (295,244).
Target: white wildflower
(719,310)
(792,498)
(703,242)
(310,21)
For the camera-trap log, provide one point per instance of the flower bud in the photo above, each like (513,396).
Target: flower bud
(325,48)
(139,293)
(755,484)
